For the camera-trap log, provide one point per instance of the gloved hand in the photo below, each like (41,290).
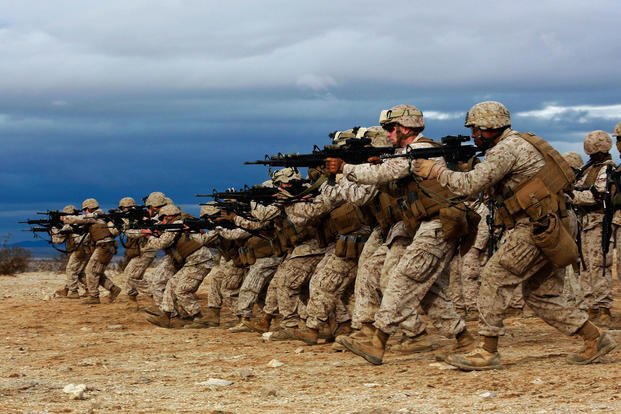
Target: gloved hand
(427,168)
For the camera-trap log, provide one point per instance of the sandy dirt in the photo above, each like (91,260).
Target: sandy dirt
(129,365)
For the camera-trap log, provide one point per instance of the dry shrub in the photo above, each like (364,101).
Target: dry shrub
(13,260)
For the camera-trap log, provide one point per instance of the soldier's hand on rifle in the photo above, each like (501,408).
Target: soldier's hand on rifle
(427,168)
(374,160)
(334,165)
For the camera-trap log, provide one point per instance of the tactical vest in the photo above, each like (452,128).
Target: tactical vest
(183,246)
(229,249)
(289,235)
(132,247)
(99,231)
(589,181)
(387,207)
(541,194)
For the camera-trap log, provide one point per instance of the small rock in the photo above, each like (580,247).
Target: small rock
(75,391)
(488,394)
(86,329)
(274,363)
(299,350)
(266,336)
(537,381)
(245,373)
(371,384)
(116,327)
(441,365)
(270,393)
(214,382)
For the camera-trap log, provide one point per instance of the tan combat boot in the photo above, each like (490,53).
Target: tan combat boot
(366,331)
(596,343)
(413,344)
(370,349)
(241,326)
(153,310)
(61,293)
(482,358)
(73,295)
(91,300)
(162,320)
(115,291)
(308,335)
(210,319)
(261,325)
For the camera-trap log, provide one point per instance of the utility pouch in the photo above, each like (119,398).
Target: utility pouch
(454,222)
(347,218)
(555,241)
(340,248)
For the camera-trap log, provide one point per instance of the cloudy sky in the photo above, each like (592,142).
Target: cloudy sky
(116,98)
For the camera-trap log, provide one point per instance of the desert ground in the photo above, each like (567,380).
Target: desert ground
(128,365)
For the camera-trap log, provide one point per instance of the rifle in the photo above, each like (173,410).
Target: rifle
(612,178)
(192,225)
(490,219)
(259,194)
(237,207)
(132,215)
(53,220)
(354,151)
(451,150)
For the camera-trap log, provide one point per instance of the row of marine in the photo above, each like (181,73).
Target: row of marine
(390,231)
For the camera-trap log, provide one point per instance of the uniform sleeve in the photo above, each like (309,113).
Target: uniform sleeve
(585,197)
(375,174)
(165,240)
(496,165)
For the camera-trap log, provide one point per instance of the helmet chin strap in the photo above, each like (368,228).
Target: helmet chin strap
(401,137)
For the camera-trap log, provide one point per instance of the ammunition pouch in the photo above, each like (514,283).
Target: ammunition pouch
(99,231)
(386,211)
(456,222)
(246,256)
(552,237)
(347,218)
(349,247)
(183,247)
(132,248)
(256,248)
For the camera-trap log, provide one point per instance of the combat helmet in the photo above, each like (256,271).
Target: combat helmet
(127,202)
(90,203)
(70,209)
(617,131)
(404,115)
(155,199)
(285,175)
(597,141)
(574,160)
(169,210)
(209,209)
(488,115)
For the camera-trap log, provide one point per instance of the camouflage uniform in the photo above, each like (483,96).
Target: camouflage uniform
(261,272)
(329,282)
(596,280)
(103,252)
(510,162)
(79,249)
(420,278)
(224,282)
(178,297)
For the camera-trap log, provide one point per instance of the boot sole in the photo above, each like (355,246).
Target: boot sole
(369,358)
(469,368)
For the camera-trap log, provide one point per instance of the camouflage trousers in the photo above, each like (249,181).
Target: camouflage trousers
(374,265)
(179,298)
(160,276)
(326,289)
(596,280)
(271,297)
(75,270)
(258,276)
(135,270)
(419,282)
(293,274)
(617,240)
(96,266)
(517,261)
(224,282)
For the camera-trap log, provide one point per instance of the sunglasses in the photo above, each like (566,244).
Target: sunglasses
(389,127)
